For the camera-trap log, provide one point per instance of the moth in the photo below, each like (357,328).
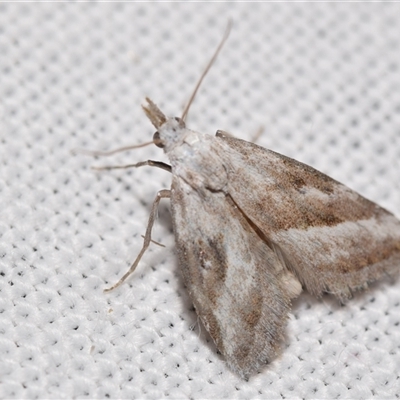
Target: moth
(253,228)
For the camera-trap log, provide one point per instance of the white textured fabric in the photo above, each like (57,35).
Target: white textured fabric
(322,79)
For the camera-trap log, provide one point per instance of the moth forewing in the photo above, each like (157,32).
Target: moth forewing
(332,238)
(239,286)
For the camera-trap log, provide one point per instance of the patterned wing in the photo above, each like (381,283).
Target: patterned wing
(239,285)
(332,238)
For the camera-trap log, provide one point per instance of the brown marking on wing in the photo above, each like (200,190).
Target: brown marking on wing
(288,200)
(232,276)
(295,194)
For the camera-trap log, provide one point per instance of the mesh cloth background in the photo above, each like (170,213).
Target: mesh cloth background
(323,80)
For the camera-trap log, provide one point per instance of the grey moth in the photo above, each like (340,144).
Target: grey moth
(253,228)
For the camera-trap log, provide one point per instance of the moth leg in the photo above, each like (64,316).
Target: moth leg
(150,163)
(153,241)
(111,152)
(223,134)
(147,237)
(257,134)
(253,139)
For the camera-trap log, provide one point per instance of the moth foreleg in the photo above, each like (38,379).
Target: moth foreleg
(147,237)
(110,152)
(150,163)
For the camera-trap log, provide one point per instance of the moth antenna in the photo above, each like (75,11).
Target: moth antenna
(210,63)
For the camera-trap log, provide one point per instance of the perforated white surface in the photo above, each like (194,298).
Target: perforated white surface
(323,80)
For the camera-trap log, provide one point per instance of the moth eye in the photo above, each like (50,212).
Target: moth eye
(181,122)
(157,140)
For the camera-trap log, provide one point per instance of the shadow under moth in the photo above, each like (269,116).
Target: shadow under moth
(253,228)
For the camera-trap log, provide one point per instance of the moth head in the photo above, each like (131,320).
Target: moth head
(167,128)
